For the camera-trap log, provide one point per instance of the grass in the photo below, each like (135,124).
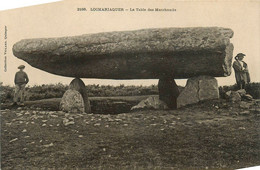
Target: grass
(39,92)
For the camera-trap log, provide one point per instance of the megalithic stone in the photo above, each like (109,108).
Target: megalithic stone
(141,54)
(78,85)
(168,92)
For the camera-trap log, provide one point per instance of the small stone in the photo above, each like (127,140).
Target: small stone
(44,124)
(235,96)
(26,136)
(125,124)
(24,131)
(248,97)
(27,113)
(18,114)
(227,94)
(69,123)
(245,112)
(71,118)
(97,124)
(32,122)
(48,145)
(80,136)
(19,108)
(44,121)
(8,124)
(107,126)
(242,92)
(13,140)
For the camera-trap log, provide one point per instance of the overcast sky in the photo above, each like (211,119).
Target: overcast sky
(62,19)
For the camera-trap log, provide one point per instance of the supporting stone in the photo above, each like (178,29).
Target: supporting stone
(168,92)
(78,85)
(198,89)
(72,102)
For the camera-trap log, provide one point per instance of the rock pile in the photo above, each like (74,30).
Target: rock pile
(235,96)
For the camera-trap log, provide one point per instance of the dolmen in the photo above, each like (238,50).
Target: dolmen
(199,54)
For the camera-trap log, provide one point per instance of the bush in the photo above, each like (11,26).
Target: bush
(254,90)
(6,93)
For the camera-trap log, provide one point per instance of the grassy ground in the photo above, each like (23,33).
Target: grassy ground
(209,135)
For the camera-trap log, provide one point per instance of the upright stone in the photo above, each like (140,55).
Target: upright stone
(198,89)
(168,92)
(72,102)
(78,85)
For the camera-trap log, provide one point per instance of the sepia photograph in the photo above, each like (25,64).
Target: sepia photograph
(122,84)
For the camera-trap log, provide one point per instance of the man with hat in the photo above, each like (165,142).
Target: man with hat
(20,80)
(241,71)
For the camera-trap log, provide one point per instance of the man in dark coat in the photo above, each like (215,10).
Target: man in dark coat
(20,80)
(241,71)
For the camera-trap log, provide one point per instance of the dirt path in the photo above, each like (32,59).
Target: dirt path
(209,135)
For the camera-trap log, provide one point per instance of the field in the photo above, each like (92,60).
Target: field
(215,134)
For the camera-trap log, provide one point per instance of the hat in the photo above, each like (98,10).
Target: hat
(21,66)
(239,55)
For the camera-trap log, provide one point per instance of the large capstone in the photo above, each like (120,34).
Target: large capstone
(198,89)
(141,54)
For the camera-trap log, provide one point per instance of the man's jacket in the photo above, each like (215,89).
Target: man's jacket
(21,78)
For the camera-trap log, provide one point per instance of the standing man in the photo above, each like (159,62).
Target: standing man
(20,80)
(241,71)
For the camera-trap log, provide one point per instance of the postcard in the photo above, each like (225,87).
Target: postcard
(130,85)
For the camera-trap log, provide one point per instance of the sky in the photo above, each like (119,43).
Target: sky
(62,19)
